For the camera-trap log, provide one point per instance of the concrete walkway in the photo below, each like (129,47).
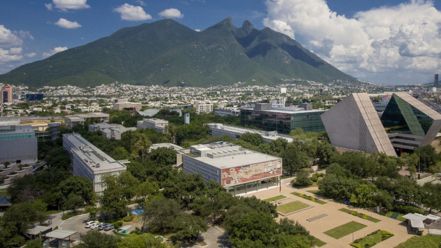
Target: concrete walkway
(320,218)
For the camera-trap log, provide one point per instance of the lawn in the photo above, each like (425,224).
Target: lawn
(358,214)
(428,241)
(308,197)
(291,207)
(395,215)
(372,239)
(275,198)
(317,242)
(345,229)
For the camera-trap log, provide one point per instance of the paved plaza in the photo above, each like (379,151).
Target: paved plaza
(319,218)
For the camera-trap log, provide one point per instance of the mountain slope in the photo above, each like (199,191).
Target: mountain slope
(166,52)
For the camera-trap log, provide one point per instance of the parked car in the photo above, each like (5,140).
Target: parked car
(90,223)
(108,227)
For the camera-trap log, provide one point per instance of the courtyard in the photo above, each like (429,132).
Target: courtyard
(334,223)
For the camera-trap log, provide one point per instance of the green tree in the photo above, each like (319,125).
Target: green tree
(302,179)
(141,241)
(160,215)
(36,243)
(113,201)
(294,160)
(72,202)
(163,156)
(432,196)
(95,239)
(252,138)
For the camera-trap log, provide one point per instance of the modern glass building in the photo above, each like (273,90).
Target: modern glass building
(282,120)
(405,124)
(18,144)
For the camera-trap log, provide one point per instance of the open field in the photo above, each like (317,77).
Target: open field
(372,239)
(345,229)
(275,198)
(291,207)
(358,214)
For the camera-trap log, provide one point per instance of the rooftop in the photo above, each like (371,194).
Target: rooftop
(226,155)
(97,160)
(16,129)
(269,135)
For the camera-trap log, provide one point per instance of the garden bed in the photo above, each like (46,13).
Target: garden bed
(308,197)
(372,239)
(360,215)
(345,229)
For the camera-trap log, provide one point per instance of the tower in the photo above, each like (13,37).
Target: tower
(6,93)
(436,81)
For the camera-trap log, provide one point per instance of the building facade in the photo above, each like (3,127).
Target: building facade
(282,120)
(90,162)
(158,125)
(404,125)
(18,144)
(236,169)
(110,131)
(124,104)
(6,93)
(203,107)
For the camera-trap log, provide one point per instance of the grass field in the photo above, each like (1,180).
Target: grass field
(358,214)
(372,239)
(345,229)
(318,243)
(395,215)
(291,207)
(308,197)
(428,241)
(275,198)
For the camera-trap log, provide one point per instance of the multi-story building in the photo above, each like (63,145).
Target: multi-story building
(124,104)
(219,129)
(110,131)
(79,119)
(227,112)
(153,123)
(236,169)
(281,119)
(404,125)
(90,162)
(18,144)
(6,93)
(203,107)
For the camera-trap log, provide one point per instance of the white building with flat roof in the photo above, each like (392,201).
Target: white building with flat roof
(90,162)
(124,104)
(236,169)
(153,123)
(72,120)
(110,131)
(203,107)
(219,129)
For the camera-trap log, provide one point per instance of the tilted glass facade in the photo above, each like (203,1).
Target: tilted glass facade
(282,122)
(401,117)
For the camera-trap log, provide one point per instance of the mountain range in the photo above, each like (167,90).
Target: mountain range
(168,53)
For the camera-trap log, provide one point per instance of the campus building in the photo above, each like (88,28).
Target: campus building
(404,125)
(219,129)
(281,119)
(110,131)
(79,119)
(236,169)
(158,125)
(203,107)
(124,104)
(90,162)
(18,144)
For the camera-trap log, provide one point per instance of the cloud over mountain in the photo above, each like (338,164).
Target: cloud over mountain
(391,42)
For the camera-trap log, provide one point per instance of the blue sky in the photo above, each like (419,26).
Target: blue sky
(28,29)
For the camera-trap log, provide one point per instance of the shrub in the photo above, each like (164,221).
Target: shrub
(405,209)
(302,179)
(117,224)
(128,218)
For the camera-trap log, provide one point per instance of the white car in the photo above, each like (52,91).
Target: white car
(94,226)
(90,223)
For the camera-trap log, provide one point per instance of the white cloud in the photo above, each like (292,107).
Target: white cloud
(68,4)
(64,23)
(171,13)
(54,51)
(9,38)
(48,6)
(400,42)
(132,13)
